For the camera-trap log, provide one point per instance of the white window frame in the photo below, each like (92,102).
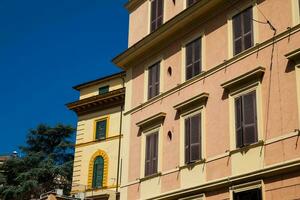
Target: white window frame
(195,36)
(159,129)
(198,110)
(256,86)
(159,60)
(248,186)
(231,14)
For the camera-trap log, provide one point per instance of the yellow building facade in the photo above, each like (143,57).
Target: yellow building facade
(98,137)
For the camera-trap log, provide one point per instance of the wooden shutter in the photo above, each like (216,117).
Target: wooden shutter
(187,140)
(101,129)
(98,172)
(193,58)
(242,31)
(238,122)
(151,158)
(154,79)
(156,14)
(249,118)
(195,138)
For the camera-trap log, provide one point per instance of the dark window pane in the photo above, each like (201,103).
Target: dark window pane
(249,118)
(154,80)
(151,154)
(247,20)
(101,129)
(192,138)
(189,54)
(196,68)
(238,46)
(157,10)
(254,194)
(248,41)
(193,57)
(237,28)
(103,90)
(187,140)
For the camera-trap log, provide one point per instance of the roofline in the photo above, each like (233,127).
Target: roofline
(99,80)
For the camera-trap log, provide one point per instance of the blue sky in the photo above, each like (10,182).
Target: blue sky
(46,47)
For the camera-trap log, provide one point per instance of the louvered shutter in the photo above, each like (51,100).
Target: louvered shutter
(187,140)
(156,14)
(238,122)
(150,83)
(98,172)
(148,156)
(154,153)
(101,129)
(249,118)
(189,61)
(195,138)
(193,58)
(154,79)
(237,34)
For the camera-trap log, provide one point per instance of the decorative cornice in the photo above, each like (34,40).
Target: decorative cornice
(254,74)
(99,102)
(133,4)
(198,99)
(168,32)
(157,118)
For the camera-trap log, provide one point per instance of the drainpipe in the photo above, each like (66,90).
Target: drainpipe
(119,149)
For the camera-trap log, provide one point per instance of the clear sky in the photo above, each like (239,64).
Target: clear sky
(46,47)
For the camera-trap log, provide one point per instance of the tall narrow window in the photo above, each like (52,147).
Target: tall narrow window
(98,172)
(246,119)
(104,89)
(242,31)
(193,58)
(190,2)
(153,80)
(192,138)
(157,10)
(151,160)
(254,194)
(101,129)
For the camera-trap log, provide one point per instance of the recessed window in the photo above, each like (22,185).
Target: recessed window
(190,2)
(254,194)
(101,129)
(98,170)
(153,80)
(246,119)
(192,126)
(151,158)
(193,58)
(104,89)
(156,14)
(242,31)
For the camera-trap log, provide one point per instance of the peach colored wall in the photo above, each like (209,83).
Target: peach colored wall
(133,192)
(170,182)
(218,195)
(278,93)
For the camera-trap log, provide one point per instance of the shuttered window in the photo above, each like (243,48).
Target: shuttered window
(98,172)
(193,58)
(190,2)
(103,90)
(157,9)
(242,31)
(246,120)
(153,80)
(101,127)
(151,158)
(254,194)
(192,138)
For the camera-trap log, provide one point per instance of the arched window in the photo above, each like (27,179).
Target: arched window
(98,171)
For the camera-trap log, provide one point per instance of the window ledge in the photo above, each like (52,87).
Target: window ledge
(247,148)
(190,102)
(150,177)
(157,118)
(193,164)
(293,55)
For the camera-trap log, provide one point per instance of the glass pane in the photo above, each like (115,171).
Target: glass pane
(249,108)
(98,172)
(160,8)
(237,28)
(247,20)
(237,46)
(153,10)
(197,50)
(101,129)
(195,152)
(195,129)
(196,67)
(189,54)
(103,90)
(189,72)
(248,41)
(249,135)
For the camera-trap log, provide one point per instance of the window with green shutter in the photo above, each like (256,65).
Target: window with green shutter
(101,129)
(104,89)
(98,172)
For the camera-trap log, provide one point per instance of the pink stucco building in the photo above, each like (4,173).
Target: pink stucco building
(212,108)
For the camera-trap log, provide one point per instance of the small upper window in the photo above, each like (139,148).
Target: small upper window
(153,80)
(246,119)
(192,138)
(254,194)
(101,129)
(190,2)
(242,31)
(156,14)
(151,160)
(193,58)
(104,89)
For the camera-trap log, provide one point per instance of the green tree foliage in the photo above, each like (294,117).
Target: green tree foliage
(46,164)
